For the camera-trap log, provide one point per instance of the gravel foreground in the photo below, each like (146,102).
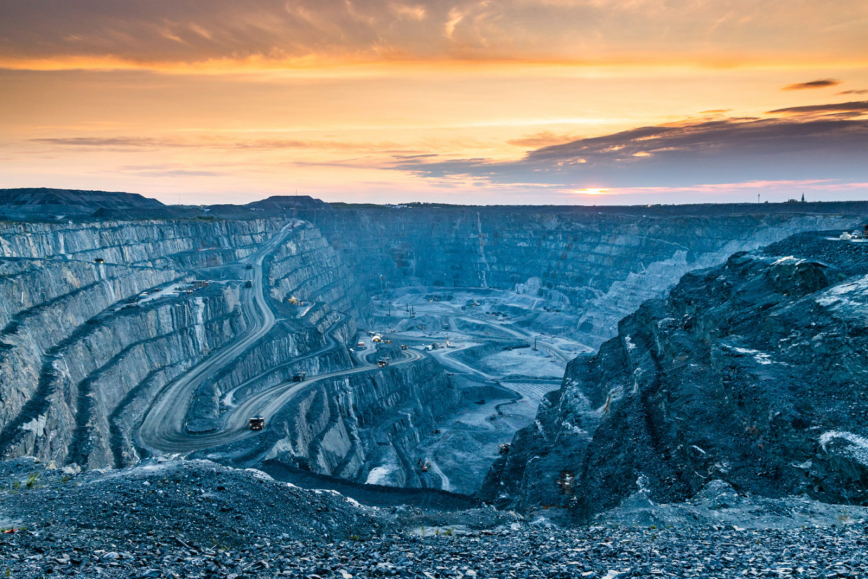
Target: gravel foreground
(595,553)
(211,521)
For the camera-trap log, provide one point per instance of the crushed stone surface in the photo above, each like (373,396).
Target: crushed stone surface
(210,521)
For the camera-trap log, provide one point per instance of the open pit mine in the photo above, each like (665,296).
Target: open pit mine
(577,364)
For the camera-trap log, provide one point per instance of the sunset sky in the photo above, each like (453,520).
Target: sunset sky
(460,101)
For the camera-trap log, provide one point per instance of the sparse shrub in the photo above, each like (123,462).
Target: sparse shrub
(31,480)
(448,532)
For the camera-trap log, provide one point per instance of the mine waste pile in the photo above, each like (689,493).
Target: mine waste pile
(199,519)
(295,389)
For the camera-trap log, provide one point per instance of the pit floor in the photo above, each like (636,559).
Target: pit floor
(489,357)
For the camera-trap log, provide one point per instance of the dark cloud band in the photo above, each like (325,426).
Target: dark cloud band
(802,143)
(823,83)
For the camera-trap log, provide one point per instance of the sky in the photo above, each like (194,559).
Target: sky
(591,102)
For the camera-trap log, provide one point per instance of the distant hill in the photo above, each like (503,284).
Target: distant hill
(44,204)
(283,202)
(71,199)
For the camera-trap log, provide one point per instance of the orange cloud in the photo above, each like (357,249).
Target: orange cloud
(541,139)
(266,34)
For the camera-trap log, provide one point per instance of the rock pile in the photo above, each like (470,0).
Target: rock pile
(196,519)
(752,373)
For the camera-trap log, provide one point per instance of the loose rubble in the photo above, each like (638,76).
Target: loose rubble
(198,519)
(523,552)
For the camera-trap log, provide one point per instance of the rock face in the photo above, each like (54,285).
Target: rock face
(341,427)
(92,331)
(752,372)
(82,353)
(601,264)
(307,267)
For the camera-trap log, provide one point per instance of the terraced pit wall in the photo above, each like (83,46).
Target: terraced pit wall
(601,265)
(342,426)
(79,365)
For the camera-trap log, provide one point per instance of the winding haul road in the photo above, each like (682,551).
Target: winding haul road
(162,430)
(562,356)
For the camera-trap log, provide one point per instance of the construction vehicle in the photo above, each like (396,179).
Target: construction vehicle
(360,345)
(257,423)
(403,346)
(248,266)
(293,301)
(383,362)
(424,466)
(300,377)
(99,260)
(248,284)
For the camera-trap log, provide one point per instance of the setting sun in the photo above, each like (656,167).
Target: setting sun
(592,191)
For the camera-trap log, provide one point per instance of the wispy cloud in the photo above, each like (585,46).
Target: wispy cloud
(541,139)
(415,157)
(103,142)
(822,83)
(162,33)
(858,91)
(121,143)
(178,173)
(857,106)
